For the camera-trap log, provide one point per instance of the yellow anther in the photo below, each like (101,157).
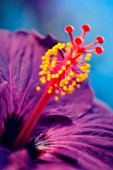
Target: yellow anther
(72,73)
(47,56)
(69,45)
(48,72)
(58,44)
(65,82)
(46,65)
(88,57)
(49,91)
(54,47)
(88,66)
(48,75)
(61,84)
(67,49)
(43,81)
(78,79)
(78,85)
(62,93)
(65,88)
(53,62)
(47,61)
(44,69)
(38,88)
(84,64)
(70,89)
(48,78)
(87,71)
(54,58)
(50,87)
(57,91)
(56,98)
(49,51)
(68,78)
(63,68)
(84,70)
(56,75)
(69,62)
(86,76)
(43,62)
(61,46)
(76,75)
(54,51)
(73,83)
(41,66)
(41,73)
(42,78)
(43,57)
(60,72)
(53,76)
(53,65)
(55,85)
(81,67)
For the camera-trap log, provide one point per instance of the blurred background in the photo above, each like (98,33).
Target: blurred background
(51,16)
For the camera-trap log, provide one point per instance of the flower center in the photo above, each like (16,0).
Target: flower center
(12,125)
(64,67)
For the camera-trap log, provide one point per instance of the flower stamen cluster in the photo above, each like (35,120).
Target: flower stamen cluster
(65,66)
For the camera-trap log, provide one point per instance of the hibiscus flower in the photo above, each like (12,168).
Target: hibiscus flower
(74,133)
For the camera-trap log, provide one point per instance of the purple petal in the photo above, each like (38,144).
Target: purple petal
(20,57)
(13,161)
(85,144)
(80,101)
(4,157)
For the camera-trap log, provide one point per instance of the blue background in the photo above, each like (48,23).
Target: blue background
(51,16)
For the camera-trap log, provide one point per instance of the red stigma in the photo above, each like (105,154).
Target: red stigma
(86,28)
(99,50)
(78,40)
(100,40)
(69,29)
